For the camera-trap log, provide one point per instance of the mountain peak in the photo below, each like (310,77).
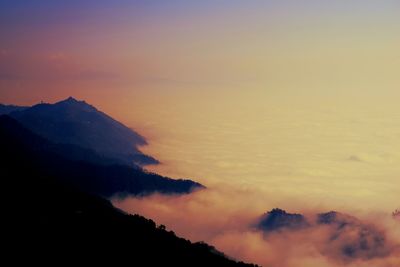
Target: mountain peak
(71,99)
(278,219)
(73,102)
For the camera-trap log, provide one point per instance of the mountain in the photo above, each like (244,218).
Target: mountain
(337,219)
(355,238)
(75,122)
(7,109)
(83,168)
(278,219)
(47,221)
(344,237)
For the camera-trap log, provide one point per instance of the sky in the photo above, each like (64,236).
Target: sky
(130,47)
(290,104)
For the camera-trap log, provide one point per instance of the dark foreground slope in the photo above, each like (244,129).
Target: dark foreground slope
(48,222)
(83,168)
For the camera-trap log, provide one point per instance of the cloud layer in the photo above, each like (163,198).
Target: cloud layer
(232,224)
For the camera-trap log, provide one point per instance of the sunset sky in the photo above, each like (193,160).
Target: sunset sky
(294,103)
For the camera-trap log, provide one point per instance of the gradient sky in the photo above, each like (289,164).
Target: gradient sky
(58,48)
(293,101)
(247,88)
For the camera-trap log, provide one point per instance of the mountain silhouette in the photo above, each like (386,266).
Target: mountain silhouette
(83,168)
(346,237)
(355,238)
(49,221)
(278,219)
(75,122)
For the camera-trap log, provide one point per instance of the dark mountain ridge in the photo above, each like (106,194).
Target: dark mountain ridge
(85,169)
(7,109)
(75,122)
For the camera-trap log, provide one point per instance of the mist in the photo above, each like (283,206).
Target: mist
(226,218)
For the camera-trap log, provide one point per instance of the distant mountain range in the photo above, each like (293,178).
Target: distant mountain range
(75,122)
